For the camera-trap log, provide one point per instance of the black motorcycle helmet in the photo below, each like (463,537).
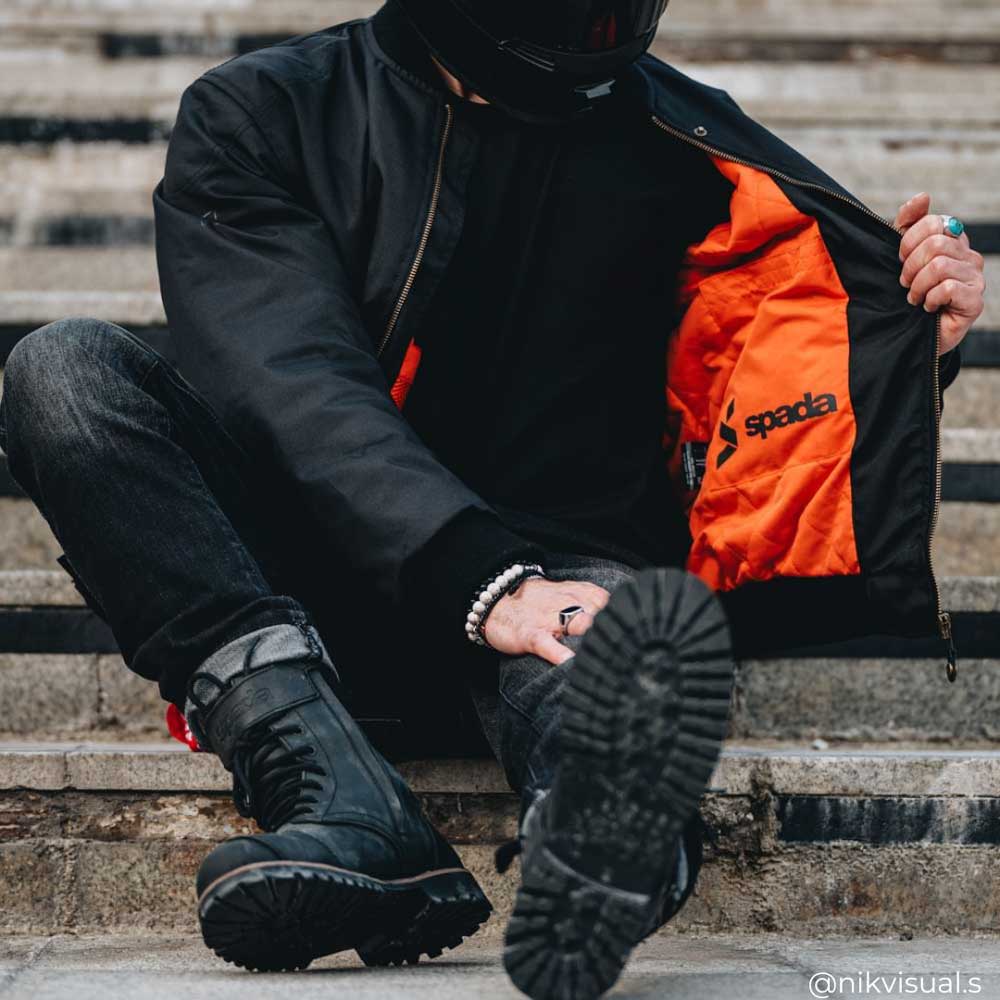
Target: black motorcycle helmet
(539,60)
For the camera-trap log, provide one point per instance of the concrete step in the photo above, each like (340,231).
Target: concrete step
(863,842)
(62,270)
(973,402)
(967,542)
(884,166)
(83,18)
(82,86)
(880,92)
(60,678)
(43,82)
(929,20)
(965,445)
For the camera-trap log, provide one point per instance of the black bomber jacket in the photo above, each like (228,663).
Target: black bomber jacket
(312,199)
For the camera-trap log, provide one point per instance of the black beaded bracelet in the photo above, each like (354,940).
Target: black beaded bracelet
(491,593)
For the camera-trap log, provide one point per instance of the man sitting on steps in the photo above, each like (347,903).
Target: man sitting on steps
(483,317)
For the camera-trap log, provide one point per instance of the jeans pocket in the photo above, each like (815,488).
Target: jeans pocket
(88,598)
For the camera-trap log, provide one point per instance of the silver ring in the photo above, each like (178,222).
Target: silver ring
(952,226)
(567,615)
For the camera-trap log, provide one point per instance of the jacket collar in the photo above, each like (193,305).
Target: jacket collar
(703,114)
(401,43)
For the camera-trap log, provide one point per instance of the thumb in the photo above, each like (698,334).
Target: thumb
(913,211)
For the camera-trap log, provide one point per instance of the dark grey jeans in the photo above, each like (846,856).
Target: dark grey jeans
(519,705)
(186,546)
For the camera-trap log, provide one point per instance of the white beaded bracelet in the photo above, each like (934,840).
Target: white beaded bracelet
(491,593)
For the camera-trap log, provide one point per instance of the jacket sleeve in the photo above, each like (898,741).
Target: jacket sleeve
(265,326)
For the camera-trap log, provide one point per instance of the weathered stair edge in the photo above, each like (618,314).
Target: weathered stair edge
(94,697)
(860,843)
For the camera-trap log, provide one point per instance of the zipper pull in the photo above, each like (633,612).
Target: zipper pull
(944,621)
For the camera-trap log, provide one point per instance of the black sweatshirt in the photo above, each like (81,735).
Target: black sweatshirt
(542,381)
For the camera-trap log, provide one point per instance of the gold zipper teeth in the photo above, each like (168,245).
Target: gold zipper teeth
(425,236)
(775,173)
(943,624)
(939,478)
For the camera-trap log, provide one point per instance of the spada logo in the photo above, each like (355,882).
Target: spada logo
(809,408)
(762,424)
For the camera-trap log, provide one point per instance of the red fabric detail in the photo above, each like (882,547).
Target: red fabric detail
(180,730)
(407,374)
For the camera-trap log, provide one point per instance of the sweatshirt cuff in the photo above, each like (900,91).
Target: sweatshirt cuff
(444,577)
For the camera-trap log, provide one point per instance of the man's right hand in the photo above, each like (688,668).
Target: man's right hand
(528,621)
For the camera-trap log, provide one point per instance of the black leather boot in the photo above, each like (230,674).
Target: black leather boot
(348,858)
(644,714)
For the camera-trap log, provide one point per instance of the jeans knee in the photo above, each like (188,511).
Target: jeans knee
(51,377)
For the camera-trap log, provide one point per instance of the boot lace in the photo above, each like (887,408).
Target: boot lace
(270,782)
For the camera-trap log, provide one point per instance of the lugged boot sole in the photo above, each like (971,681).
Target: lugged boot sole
(643,720)
(280,916)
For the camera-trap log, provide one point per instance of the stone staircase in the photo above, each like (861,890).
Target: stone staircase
(860,793)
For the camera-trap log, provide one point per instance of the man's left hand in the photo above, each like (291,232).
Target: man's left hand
(942,272)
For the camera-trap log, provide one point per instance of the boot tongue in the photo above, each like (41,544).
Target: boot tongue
(251,700)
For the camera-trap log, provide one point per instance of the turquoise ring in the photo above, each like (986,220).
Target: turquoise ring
(952,226)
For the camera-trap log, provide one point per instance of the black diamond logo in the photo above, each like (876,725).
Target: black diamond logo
(728,434)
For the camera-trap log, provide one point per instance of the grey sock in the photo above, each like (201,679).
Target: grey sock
(263,648)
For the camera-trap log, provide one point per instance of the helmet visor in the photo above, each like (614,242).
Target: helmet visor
(578,26)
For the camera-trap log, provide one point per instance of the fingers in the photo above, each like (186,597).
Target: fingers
(923,229)
(592,597)
(959,296)
(927,228)
(944,275)
(912,211)
(580,624)
(549,648)
(924,253)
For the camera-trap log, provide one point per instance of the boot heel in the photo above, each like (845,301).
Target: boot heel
(559,912)
(451,907)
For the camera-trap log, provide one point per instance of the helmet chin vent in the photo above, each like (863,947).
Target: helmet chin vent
(529,53)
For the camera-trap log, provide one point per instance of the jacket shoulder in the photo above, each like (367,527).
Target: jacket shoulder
(259,106)
(668,81)
(256,80)
(700,110)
